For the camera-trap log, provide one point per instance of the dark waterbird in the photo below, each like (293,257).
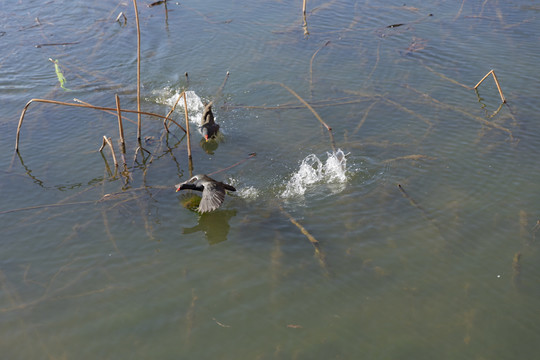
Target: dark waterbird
(209,127)
(213,192)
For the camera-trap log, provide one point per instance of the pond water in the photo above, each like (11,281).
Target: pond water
(409,231)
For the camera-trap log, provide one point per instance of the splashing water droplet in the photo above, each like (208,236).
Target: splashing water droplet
(195,104)
(313,171)
(248,192)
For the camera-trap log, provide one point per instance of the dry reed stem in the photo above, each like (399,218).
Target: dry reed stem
(306,104)
(107,109)
(414,203)
(108,112)
(106,226)
(120,125)
(409,111)
(463,112)
(314,113)
(410,157)
(190,315)
(445,77)
(492,72)
(516,268)
(48,293)
(316,245)
(304,24)
(363,120)
(190,161)
(107,141)
(139,121)
(233,165)
(45,206)
(311,63)
(376,61)
(291,105)
(460,10)
(220,90)
(10,294)
(171,111)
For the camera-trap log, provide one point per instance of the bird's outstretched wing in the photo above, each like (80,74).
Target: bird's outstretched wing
(212,197)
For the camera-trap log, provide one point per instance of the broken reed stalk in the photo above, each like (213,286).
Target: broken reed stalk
(414,203)
(492,72)
(109,112)
(307,105)
(35,207)
(120,126)
(107,141)
(190,161)
(316,245)
(171,111)
(138,71)
(107,109)
(445,77)
(304,25)
(311,63)
(332,142)
(459,110)
(220,90)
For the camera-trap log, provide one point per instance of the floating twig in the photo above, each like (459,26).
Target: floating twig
(221,324)
(56,44)
(492,72)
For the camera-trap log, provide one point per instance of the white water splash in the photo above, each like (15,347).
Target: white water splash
(313,171)
(195,104)
(248,192)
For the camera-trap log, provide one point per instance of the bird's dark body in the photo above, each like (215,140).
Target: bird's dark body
(213,192)
(209,127)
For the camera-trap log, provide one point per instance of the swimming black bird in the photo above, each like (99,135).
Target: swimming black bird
(209,127)
(213,192)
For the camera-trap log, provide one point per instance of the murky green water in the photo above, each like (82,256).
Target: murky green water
(95,264)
